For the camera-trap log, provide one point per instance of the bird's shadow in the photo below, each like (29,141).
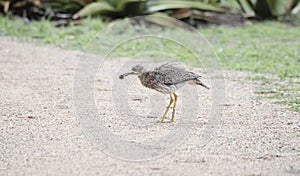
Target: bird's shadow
(158,121)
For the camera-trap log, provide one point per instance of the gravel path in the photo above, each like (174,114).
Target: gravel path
(41,136)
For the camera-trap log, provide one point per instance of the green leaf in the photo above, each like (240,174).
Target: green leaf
(155,6)
(123,4)
(279,7)
(165,20)
(296,9)
(95,8)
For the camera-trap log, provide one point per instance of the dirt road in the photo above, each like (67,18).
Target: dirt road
(40,134)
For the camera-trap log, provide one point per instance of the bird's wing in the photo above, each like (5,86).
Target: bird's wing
(169,65)
(173,73)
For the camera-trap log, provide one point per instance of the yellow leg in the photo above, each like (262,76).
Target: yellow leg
(171,101)
(174,106)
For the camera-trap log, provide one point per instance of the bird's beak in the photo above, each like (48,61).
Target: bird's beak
(126,74)
(203,85)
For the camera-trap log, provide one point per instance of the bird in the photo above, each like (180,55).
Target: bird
(166,79)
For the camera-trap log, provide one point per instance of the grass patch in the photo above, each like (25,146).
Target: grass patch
(266,48)
(265,79)
(288,98)
(43,32)
(285,92)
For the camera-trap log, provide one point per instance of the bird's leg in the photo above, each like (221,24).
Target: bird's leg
(170,104)
(174,106)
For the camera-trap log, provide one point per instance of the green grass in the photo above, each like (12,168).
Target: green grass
(265,48)
(287,94)
(73,37)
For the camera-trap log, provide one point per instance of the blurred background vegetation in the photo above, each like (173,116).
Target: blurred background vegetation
(64,12)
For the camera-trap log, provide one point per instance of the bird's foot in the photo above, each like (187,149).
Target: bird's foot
(163,121)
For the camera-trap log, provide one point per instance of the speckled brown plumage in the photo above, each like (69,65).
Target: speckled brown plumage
(166,79)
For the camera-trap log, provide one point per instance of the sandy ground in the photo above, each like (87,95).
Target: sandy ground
(40,134)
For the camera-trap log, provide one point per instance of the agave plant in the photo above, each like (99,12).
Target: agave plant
(122,8)
(271,8)
(65,6)
(21,7)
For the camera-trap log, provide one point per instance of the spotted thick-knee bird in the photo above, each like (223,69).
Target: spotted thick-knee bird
(166,79)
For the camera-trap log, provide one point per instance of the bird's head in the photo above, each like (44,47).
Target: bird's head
(136,70)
